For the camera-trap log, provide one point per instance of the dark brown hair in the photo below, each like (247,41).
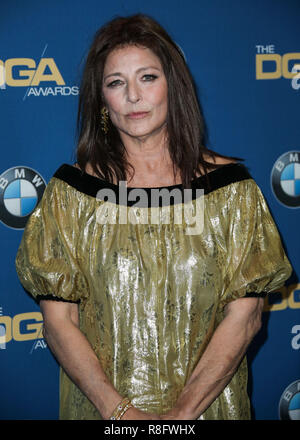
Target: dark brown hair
(185,123)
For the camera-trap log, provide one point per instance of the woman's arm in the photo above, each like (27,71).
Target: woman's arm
(75,354)
(220,360)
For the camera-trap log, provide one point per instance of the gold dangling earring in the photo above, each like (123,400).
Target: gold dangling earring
(104,120)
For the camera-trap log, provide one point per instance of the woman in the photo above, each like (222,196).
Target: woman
(137,310)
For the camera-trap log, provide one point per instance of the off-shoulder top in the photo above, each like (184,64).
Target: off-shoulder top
(152,279)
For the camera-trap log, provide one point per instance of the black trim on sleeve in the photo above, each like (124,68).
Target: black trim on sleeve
(255,295)
(54,298)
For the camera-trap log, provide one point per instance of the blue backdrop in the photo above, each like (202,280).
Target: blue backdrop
(245,58)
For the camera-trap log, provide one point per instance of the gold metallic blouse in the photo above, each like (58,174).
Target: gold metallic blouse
(152,288)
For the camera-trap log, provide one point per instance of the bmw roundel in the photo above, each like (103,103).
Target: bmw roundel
(285,179)
(289,404)
(21,189)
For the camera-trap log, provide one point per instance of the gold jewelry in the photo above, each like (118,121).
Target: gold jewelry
(104,120)
(120,410)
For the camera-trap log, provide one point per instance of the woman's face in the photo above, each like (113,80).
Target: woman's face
(135,91)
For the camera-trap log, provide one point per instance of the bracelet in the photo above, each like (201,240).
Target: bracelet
(120,410)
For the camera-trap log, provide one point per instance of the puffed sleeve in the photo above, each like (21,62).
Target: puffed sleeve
(256,261)
(46,261)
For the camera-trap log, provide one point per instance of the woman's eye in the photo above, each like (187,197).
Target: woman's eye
(114,83)
(149,77)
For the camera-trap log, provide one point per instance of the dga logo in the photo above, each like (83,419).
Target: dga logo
(21,189)
(272,65)
(287,297)
(289,404)
(280,64)
(22,327)
(285,179)
(26,72)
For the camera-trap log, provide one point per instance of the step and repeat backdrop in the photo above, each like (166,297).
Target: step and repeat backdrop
(245,59)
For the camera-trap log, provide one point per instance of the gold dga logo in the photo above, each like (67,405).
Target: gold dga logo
(21,327)
(280,65)
(286,298)
(26,72)
(29,73)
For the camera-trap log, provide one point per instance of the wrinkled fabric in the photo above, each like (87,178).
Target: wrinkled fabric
(151,295)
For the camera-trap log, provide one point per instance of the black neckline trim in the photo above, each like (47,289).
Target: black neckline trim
(90,185)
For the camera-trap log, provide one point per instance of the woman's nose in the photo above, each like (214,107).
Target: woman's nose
(133,93)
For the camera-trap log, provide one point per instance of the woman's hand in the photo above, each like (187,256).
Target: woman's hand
(135,414)
(176,414)
(173,414)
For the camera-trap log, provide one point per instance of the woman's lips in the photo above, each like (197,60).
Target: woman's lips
(137,115)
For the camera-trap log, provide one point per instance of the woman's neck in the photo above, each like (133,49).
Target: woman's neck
(151,160)
(148,153)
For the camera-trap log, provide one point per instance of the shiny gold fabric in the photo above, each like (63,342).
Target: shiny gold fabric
(150,294)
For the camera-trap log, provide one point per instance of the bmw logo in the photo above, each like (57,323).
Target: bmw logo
(289,404)
(285,179)
(21,189)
